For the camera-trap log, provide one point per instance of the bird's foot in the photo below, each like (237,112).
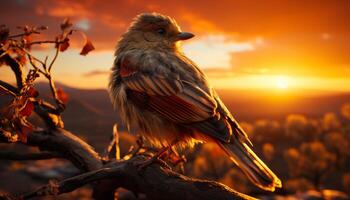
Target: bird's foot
(155,159)
(151,161)
(181,159)
(177,160)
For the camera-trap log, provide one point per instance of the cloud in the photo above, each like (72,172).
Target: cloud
(63,9)
(83,24)
(214,51)
(96,73)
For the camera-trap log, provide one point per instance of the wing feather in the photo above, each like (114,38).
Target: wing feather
(181,101)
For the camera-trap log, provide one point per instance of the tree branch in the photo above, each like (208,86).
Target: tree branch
(68,145)
(49,114)
(154,181)
(16,68)
(61,142)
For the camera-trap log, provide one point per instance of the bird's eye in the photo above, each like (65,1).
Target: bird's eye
(161,31)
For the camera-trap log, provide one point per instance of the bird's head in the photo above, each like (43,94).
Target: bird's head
(153,30)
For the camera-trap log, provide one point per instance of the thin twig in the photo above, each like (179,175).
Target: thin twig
(116,136)
(45,61)
(55,57)
(59,103)
(3,53)
(44,42)
(18,35)
(7,90)
(23,34)
(34,65)
(9,87)
(113,146)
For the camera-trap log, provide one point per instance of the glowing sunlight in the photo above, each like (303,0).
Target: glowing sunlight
(282,82)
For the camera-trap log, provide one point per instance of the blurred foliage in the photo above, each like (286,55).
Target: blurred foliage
(298,185)
(268,151)
(345,110)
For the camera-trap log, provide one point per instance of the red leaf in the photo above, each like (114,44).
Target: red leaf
(27,109)
(26,40)
(64,97)
(32,92)
(21,59)
(87,47)
(64,46)
(66,24)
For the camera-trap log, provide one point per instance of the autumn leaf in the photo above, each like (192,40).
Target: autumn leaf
(88,46)
(19,55)
(27,39)
(27,109)
(32,92)
(21,59)
(62,96)
(66,24)
(64,45)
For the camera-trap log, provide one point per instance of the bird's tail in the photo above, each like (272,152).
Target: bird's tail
(251,165)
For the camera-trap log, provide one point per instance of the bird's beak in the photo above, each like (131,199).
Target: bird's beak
(184,36)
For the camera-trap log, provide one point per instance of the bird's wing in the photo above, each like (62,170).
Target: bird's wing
(181,102)
(174,99)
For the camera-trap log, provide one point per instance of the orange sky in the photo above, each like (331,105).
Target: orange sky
(263,44)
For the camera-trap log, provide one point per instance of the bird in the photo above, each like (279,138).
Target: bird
(167,97)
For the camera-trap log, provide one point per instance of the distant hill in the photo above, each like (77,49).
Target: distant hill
(90,113)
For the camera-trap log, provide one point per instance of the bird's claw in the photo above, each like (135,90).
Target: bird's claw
(153,160)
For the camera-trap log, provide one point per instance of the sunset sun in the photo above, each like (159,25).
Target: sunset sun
(282,82)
